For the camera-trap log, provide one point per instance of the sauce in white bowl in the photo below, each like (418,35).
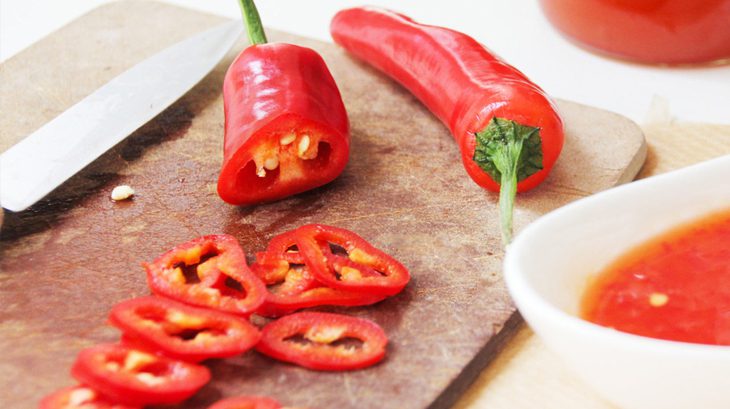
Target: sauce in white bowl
(550,263)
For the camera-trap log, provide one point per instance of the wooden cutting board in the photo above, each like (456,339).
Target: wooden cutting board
(69,259)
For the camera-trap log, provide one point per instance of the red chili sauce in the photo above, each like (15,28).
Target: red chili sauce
(675,286)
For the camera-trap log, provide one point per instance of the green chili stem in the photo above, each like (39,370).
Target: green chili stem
(251,17)
(507,165)
(508,152)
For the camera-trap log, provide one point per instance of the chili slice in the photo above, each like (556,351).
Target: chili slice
(509,132)
(362,267)
(324,341)
(280,253)
(181,331)
(79,397)
(135,377)
(290,284)
(286,128)
(209,271)
(247,402)
(298,289)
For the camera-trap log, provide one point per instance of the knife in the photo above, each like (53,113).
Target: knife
(43,160)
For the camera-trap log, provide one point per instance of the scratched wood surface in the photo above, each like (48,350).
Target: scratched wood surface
(67,260)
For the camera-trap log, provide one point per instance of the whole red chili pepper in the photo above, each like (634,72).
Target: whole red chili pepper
(286,128)
(509,132)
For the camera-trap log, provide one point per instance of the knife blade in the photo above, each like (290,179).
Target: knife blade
(43,160)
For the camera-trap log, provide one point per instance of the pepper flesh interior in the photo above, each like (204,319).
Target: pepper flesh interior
(179,324)
(192,263)
(286,151)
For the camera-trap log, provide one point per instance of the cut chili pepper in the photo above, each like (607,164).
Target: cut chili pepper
(281,252)
(135,377)
(290,284)
(509,132)
(209,271)
(324,341)
(286,128)
(181,331)
(298,289)
(247,402)
(355,265)
(79,397)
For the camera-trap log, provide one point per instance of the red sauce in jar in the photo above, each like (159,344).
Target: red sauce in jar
(675,286)
(651,31)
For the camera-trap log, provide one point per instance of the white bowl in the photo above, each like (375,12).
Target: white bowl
(550,262)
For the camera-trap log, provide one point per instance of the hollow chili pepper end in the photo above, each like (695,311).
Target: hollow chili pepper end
(509,152)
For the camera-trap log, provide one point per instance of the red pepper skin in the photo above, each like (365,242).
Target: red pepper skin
(456,77)
(134,377)
(270,91)
(321,330)
(281,251)
(181,331)
(79,397)
(222,281)
(364,269)
(246,402)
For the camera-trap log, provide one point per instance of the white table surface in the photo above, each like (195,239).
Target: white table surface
(514,29)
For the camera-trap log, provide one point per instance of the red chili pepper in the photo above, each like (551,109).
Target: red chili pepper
(324,341)
(355,265)
(181,331)
(247,402)
(508,130)
(134,377)
(281,252)
(300,290)
(79,397)
(286,127)
(209,271)
(290,284)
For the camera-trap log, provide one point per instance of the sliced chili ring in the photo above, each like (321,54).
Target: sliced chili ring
(324,341)
(182,331)
(274,263)
(284,246)
(247,402)
(135,377)
(209,271)
(290,284)
(364,268)
(298,289)
(79,397)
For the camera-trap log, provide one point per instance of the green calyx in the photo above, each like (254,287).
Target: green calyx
(251,18)
(503,137)
(508,152)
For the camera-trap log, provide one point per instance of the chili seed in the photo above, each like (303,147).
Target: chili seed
(122,192)
(303,145)
(271,163)
(287,139)
(658,299)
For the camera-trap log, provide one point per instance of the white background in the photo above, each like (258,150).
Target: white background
(514,29)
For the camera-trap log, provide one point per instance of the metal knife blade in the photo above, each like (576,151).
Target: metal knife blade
(43,160)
